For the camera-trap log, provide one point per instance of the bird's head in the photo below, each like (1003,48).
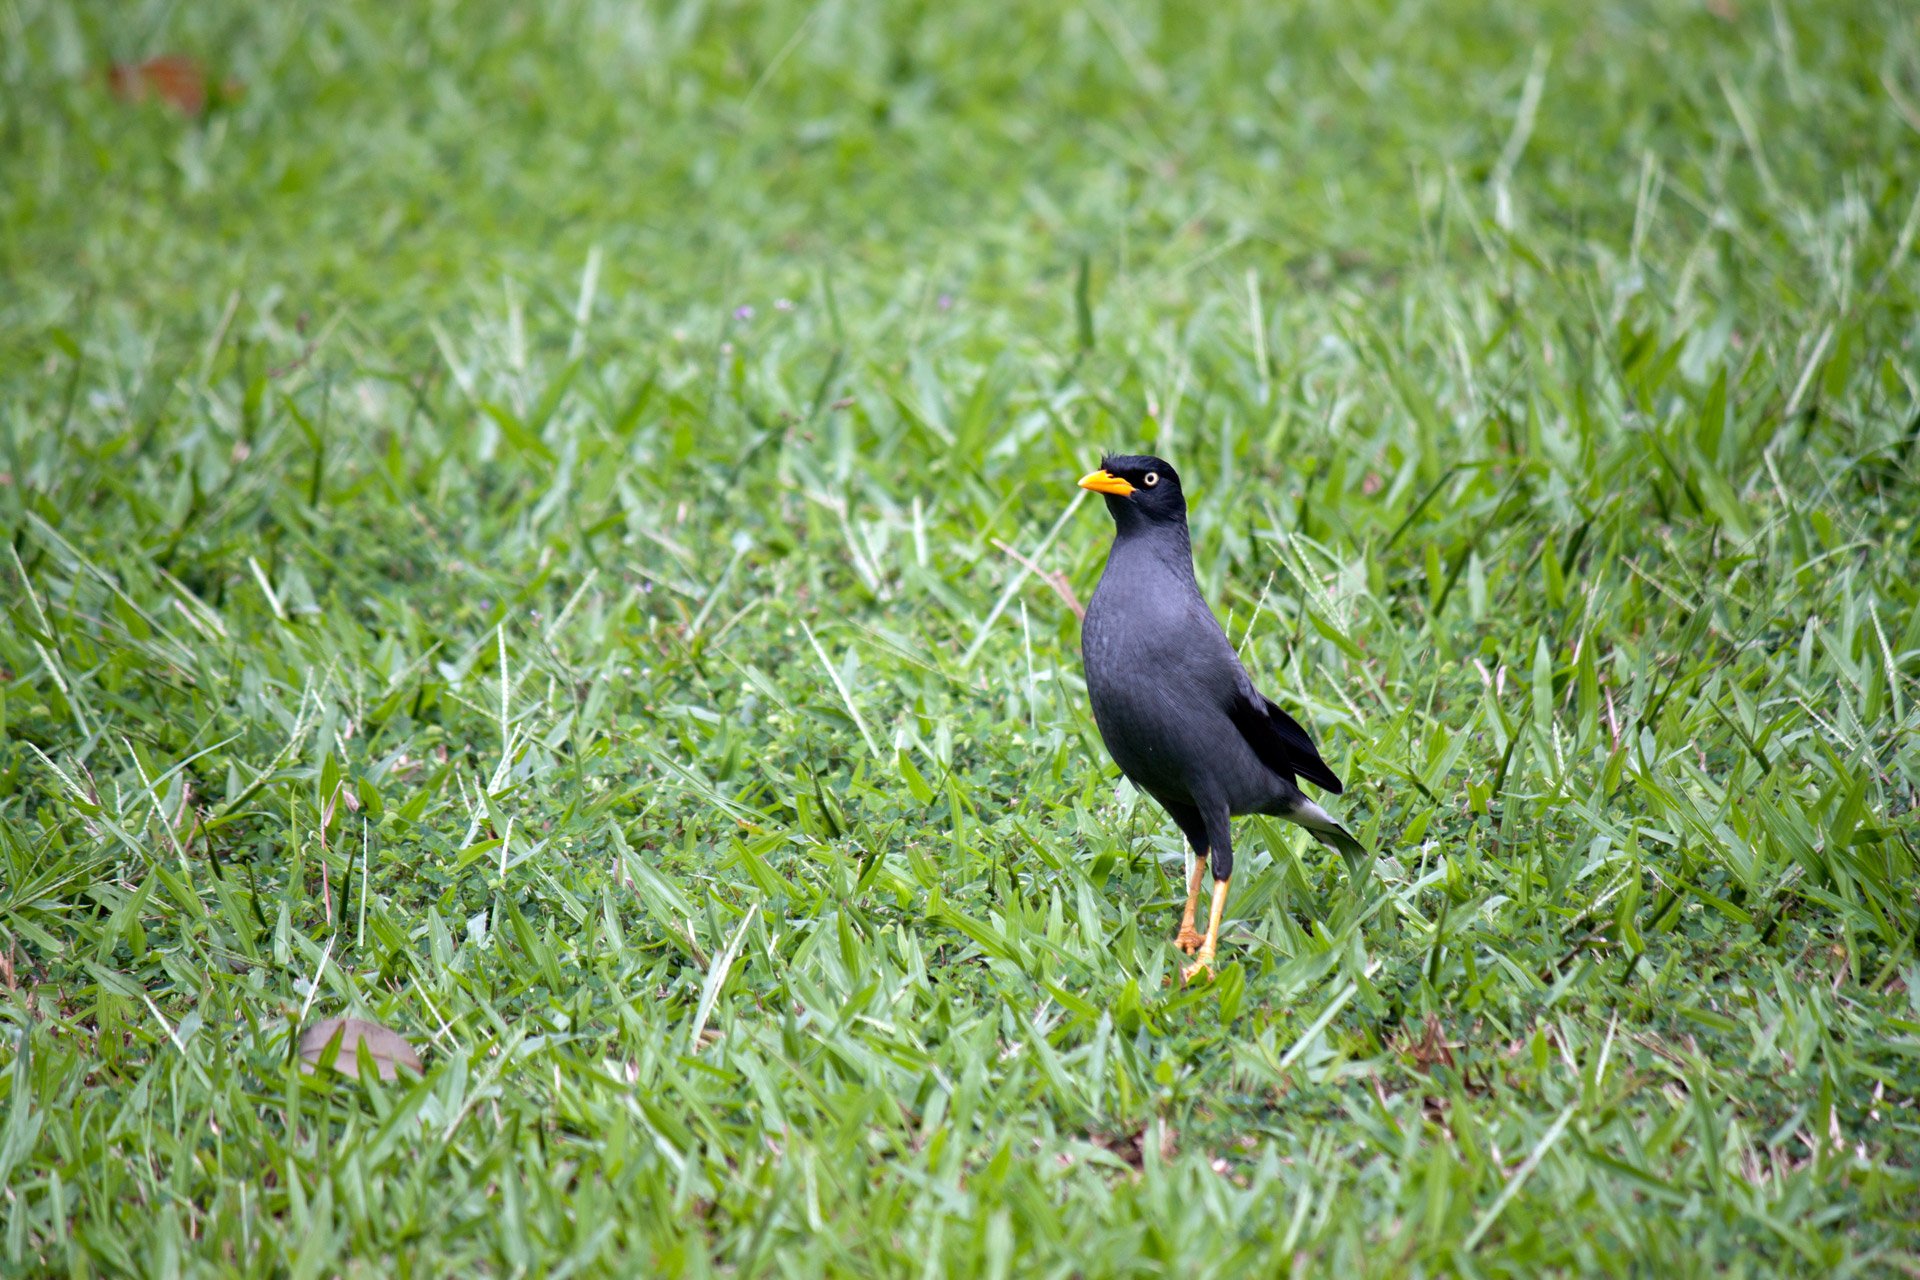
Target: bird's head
(1140,490)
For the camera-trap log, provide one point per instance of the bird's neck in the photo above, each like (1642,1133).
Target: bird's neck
(1165,544)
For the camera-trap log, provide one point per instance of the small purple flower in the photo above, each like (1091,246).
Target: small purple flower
(946,300)
(743,312)
(783,304)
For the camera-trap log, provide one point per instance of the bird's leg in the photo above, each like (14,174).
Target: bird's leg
(1203,963)
(1187,940)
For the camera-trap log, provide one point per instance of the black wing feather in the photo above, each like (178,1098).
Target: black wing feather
(1282,745)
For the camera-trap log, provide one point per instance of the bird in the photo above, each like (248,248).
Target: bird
(1176,709)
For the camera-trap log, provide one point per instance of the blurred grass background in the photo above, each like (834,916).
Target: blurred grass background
(551,527)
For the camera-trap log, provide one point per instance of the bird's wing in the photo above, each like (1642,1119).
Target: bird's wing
(1277,738)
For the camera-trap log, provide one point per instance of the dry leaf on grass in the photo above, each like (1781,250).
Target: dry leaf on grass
(388,1049)
(177,79)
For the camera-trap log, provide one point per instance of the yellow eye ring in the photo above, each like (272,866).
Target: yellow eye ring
(1152,478)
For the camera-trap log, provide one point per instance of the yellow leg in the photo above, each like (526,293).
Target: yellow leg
(1203,963)
(1187,940)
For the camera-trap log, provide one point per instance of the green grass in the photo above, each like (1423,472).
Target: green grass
(430,599)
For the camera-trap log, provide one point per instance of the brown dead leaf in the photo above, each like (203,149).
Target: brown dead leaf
(174,78)
(388,1049)
(179,80)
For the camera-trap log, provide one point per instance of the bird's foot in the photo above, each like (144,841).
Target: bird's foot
(1202,964)
(1189,940)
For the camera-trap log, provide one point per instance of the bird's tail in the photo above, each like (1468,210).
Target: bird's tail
(1321,826)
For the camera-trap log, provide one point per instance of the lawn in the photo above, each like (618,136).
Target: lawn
(552,527)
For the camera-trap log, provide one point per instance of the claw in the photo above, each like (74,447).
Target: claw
(1204,964)
(1189,941)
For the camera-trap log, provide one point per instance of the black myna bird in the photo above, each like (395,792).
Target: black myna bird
(1178,712)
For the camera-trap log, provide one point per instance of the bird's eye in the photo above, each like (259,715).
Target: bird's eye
(1153,478)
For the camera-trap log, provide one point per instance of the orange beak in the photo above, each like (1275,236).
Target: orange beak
(1101,482)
